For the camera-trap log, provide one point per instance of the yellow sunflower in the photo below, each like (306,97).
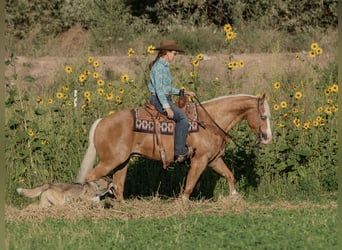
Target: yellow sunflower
(306,125)
(328,111)
(283,104)
(200,56)
(95,75)
(90,59)
(298,95)
(109,96)
(192,74)
(100,82)
(241,63)
(130,52)
(315,123)
(31,133)
(124,78)
(96,64)
(68,69)
(59,95)
(296,122)
(314,46)
(312,54)
(319,51)
(40,100)
(50,100)
(276,85)
(87,94)
(227,27)
(195,63)
(230,35)
(100,91)
(82,78)
(275,106)
(334,88)
(150,49)
(122,90)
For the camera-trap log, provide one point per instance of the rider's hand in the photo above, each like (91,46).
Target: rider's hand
(169,113)
(189,93)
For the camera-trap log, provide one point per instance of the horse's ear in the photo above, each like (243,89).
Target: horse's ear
(265,96)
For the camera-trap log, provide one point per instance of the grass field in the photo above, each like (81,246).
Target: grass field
(160,224)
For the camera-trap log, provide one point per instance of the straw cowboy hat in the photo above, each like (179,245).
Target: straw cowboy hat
(169,45)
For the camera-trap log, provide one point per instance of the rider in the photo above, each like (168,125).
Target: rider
(160,87)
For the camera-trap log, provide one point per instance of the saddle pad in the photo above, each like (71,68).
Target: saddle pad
(143,121)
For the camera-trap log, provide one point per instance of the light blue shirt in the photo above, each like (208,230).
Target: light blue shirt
(161,82)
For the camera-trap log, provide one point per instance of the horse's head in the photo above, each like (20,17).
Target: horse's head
(259,121)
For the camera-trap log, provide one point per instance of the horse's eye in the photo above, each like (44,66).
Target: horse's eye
(263,117)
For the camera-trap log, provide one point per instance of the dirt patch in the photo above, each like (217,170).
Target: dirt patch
(259,71)
(155,208)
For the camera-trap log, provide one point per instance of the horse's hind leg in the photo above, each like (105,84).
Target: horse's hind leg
(101,169)
(221,168)
(119,178)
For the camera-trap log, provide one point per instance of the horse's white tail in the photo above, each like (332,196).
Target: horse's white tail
(90,156)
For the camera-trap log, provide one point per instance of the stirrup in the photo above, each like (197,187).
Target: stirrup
(184,157)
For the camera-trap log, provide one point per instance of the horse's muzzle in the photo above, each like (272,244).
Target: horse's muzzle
(264,138)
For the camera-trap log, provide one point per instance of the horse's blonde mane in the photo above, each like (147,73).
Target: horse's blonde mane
(267,108)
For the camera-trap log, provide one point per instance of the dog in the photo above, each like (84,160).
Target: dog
(63,193)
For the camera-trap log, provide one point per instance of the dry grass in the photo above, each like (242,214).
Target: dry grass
(142,208)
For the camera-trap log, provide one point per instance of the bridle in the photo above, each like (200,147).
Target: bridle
(226,135)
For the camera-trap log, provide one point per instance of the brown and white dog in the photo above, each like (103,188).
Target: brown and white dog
(63,193)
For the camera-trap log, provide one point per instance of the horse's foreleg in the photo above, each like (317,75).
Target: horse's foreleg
(221,168)
(119,178)
(196,169)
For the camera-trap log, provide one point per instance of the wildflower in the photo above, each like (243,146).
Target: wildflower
(87,94)
(95,75)
(100,91)
(96,64)
(111,112)
(314,46)
(69,103)
(40,100)
(68,69)
(334,88)
(315,123)
(327,92)
(50,100)
(87,72)
(319,51)
(306,125)
(276,85)
(124,78)
(88,99)
(100,82)
(230,35)
(43,142)
(109,85)
(286,115)
(328,111)
(230,65)
(241,63)
(122,90)
(90,59)
(109,96)
(320,109)
(296,122)
(31,133)
(235,64)
(283,104)
(298,95)
(281,125)
(275,106)
(118,100)
(330,101)
(82,78)
(227,27)
(200,57)
(319,118)
(195,63)
(334,109)
(297,56)
(130,52)
(59,95)
(312,54)
(150,49)
(192,74)
(294,110)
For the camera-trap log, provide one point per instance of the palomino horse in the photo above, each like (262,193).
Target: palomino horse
(115,141)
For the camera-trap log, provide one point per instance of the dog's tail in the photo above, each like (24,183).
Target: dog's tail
(33,192)
(90,156)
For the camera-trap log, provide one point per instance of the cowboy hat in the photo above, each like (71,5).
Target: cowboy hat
(169,45)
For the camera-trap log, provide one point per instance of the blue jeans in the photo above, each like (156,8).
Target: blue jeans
(182,124)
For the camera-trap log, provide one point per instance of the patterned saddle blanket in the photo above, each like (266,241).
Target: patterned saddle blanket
(143,121)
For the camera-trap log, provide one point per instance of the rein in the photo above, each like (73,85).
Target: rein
(225,134)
